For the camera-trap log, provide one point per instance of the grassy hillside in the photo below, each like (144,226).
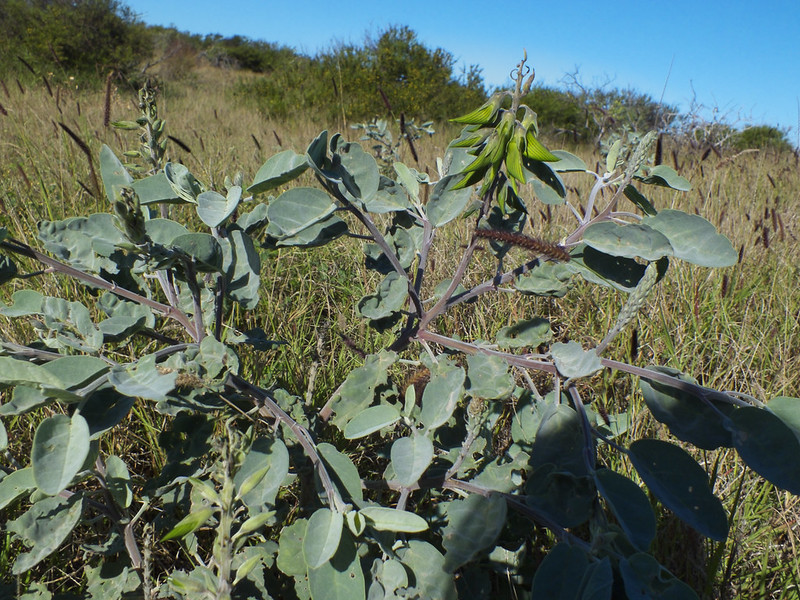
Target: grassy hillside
(734,328)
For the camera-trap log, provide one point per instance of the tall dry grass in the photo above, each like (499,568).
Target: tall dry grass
(734,328)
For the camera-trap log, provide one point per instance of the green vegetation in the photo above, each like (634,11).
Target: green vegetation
(223,356)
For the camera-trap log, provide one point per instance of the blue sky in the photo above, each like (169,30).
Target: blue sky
(742,58)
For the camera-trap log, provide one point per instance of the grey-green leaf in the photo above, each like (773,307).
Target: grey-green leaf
(559,441)
(665,176)
(693,239)
(155,189)
(60,447)
(113,173)
(427,565)
(488,377)
(344,473)
(441,395)
(566,162)
(528,333)
(264,452)
(214,208)
(371,420)
(279,169)
(628,241)
(411,456)
(559,575)
(603,269)
(447,203)
(45,526)
(383,518)
(183,182)
(119,481)
(767,445)
(689,417)
(142,379)
(573,361)
(303,216)
(550,279)
(322,537)
(681,485)
(630,506)
(358,390)
(340,578)
(646,579)
(473,525)
(203,248)
(387,299)
(16,483)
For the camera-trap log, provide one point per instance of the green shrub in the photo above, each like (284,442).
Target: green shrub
(765,137)
(80,39)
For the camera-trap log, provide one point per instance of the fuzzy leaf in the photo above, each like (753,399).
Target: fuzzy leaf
(214,208)
(446,202)
(322,537)
(667,177)
(628,241)
(269,453)
(387,299)
(113,173)
(573,361)
(143,379)
(441,396)
(279,169)
(693,239)
(345,474)
(44,527)
(340,578)
(389,519)
(183,182)
(371,420)
(411,457)
(60,447)
(681,485)
(630,506)
(766,444)
(529,333)
(473,525)
(688,417)
(488,377)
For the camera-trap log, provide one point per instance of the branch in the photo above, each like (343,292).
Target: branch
(18,247)
(269,408)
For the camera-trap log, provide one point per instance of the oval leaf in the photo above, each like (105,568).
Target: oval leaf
(447,203)
(60,447)
(189,523)
(410,458)
(279,169)
(628,241)
(214,208)
(688,417)
(390,519)
(441,396)
(767,445)
(693,239)
(630,506)
(322,537)
(341,578)
(681,485)
(573,361)
(529,333)
(371,420)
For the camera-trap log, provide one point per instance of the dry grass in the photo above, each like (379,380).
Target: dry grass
(734,328)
